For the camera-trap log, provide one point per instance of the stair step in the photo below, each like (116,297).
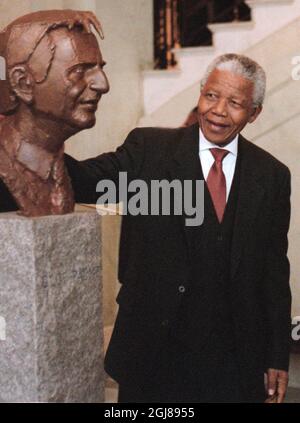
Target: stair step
(269,13)
(195,51)
(193,60)
(258,3)
(232,36)
(231,26)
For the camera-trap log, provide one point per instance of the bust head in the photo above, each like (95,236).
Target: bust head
(54,81)
(54,67)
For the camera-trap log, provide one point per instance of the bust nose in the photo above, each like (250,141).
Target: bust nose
(99,81)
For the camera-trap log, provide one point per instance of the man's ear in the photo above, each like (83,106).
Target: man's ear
(22,83)
(255,112)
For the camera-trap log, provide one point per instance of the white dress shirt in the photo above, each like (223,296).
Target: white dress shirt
(228,163)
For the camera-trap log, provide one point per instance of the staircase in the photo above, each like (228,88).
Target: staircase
(161,87)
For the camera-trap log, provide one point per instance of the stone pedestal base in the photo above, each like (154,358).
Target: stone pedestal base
(51,344)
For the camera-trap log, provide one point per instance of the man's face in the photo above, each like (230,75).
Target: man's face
(75,82)
(225,106)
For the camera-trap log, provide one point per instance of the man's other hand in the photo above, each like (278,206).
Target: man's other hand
(276,385)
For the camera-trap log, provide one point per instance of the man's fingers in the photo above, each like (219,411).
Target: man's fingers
(282,385)
(272,381)
(99,28)
(281,393)
(86,24)
(277,384)
(280,398)
(96,23)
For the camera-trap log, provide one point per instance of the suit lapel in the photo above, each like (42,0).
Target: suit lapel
(185,166)
(251,194)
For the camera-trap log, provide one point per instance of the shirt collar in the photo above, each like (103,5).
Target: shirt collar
(232,147)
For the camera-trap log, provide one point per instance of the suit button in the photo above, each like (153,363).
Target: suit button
(181,289)
(165,323)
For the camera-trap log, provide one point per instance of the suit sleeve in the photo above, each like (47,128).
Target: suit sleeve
(86,174)
(277,288)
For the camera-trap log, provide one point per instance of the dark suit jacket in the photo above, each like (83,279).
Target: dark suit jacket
(155,253)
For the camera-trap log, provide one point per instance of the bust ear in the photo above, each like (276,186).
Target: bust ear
(22,83)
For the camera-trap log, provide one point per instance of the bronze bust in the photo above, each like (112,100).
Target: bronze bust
(54,81)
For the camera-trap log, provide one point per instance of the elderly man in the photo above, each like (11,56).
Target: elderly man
(54,82)
(205,310)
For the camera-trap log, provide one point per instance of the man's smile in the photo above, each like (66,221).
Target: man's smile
(216,126)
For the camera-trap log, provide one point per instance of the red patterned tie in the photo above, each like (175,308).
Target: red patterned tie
(216,182)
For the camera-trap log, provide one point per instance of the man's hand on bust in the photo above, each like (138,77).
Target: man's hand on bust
(277,382)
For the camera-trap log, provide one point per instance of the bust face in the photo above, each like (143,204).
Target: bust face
(75,81)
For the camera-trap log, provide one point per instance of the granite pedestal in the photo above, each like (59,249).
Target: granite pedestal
(51,343)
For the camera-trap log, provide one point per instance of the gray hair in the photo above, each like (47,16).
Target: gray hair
(244,66)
